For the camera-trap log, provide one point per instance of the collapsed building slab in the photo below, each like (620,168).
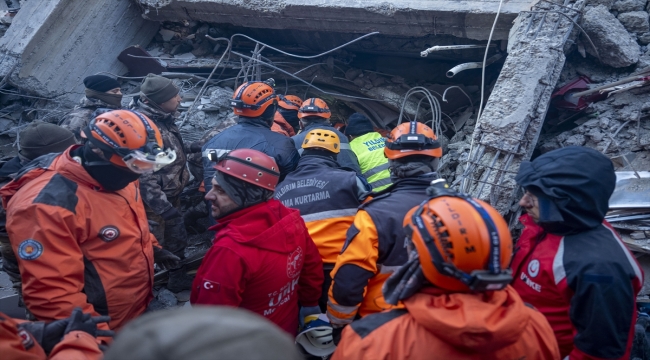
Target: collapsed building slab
(52,45)
(464,19)
(507,131)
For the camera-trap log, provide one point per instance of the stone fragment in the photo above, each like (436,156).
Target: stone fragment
(635,21)
(352,74)
(575,140)
(167,34)
(616,47)
(167,298)
(595,135)
(623,6)
(183,296)
(637,235)
(644,39)
(607,3)
(221,97)
(644,60)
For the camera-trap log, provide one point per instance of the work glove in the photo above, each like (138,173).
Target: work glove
(307,311)
(336,334)
(79,321)
(165,259)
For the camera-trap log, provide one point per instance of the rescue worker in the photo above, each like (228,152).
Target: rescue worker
(280,124)
(368,145)
(36,139)
(103,93)
(315,114)
(373,247)
(262,258)
(569,262)
(454,287)
(200,333)
(255,103)
(68,339)
(288,106)
(159,100)
(78,227)
(326,195)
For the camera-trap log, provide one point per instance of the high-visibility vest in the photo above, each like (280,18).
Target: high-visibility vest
(369,149)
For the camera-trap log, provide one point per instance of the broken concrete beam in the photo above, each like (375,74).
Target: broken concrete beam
(616,47)
(52,45)
(507,131)
(465,19)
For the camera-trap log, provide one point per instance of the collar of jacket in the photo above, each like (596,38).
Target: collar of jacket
(151,112)
(418,182)
(67,166)
(317,124)
(226,220)
(256,122)
(87,102)
(317,160)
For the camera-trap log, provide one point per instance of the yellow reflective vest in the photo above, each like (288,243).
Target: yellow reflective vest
(369,149)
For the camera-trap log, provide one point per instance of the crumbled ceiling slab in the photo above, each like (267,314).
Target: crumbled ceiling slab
(471,19)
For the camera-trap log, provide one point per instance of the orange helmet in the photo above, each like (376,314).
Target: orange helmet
(412,138)
(252,166)
(129,139)
(314,107)
(322,139)
(463,243)
(289,102)
(252,98)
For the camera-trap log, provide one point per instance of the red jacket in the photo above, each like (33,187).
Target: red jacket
(263,260)
(492,325)
(586,286)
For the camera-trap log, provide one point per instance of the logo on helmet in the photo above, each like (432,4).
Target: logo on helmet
(294,263)
(30,249)
(109,233)
(533,268)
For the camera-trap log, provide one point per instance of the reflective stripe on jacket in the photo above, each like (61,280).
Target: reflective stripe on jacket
(374,248)
(369,149)
(77,245)
(327,198)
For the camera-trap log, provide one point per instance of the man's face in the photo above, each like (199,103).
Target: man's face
(221,203)
(116,91)
(531,204)
(171,105)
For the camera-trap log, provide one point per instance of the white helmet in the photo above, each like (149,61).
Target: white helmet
(316,337)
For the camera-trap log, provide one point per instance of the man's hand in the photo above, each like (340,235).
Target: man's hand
(165,259)
(79,321)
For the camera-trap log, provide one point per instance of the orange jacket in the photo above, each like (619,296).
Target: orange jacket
(281,126)
(493,325)
(78,245)
(17,343)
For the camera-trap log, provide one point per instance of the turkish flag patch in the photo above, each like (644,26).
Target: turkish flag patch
(212,286)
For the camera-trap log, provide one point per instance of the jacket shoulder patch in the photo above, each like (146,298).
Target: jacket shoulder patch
(370,323)
(59,191)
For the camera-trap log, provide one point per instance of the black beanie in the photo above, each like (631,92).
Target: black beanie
(40,138)
(358,124)
(158,89)
(101,83)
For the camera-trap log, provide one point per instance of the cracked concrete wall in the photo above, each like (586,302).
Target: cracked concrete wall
(465,19)
(52,45)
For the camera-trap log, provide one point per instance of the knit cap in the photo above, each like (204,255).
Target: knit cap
(358,124)
(40,138)
(158,88)
(100,83)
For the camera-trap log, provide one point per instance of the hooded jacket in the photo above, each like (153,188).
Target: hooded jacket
(17,343)
(250,134)
(78,245)
(571,264)
(493,325)
(263,260)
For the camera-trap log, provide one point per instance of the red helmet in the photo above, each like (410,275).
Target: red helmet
(252,98)
(129,139)
(289,102)
(314,107)
(252,166)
